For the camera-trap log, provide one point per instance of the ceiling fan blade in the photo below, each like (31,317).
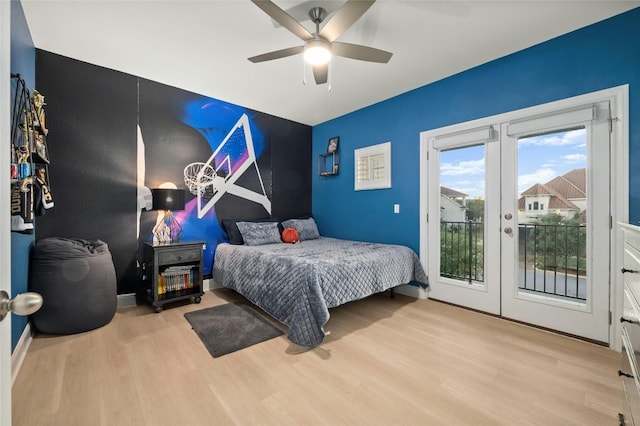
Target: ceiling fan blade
(283,18)
(277,54)
(349,13)
(321,73)
(362,53)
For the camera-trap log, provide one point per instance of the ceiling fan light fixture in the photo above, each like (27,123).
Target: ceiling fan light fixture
(317,52)
(320,45)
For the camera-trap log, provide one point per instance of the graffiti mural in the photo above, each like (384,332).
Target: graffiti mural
(213,150)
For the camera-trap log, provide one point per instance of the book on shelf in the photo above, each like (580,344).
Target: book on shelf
(176,279)
(172,270)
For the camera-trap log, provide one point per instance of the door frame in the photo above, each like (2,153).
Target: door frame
(5,232)
(619,101)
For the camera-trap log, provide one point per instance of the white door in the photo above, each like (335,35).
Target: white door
(463,169)
(511,228)
(555,232)
(5,237)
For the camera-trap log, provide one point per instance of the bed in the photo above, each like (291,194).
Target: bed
(297,284)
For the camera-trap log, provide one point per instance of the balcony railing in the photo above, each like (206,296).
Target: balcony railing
(462,251)
(551,258)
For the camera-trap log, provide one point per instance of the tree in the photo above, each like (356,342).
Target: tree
(462,251)
(560,242)
(475,210)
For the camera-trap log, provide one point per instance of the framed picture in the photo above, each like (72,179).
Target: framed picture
(333,144)
(373,167)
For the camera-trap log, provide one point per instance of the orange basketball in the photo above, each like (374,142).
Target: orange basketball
(290,235)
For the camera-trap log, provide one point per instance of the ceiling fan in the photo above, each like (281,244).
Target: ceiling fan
(320,45)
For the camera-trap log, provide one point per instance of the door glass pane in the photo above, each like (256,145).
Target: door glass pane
(552,214)
(462,213)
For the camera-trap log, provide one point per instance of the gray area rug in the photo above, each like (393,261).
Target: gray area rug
(230,327)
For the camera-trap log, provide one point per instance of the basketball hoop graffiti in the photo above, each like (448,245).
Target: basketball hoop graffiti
(232,158)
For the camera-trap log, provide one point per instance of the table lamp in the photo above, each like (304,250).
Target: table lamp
(168,230)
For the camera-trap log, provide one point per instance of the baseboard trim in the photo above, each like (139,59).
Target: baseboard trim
(126,300)
(20,352)
(210,284)
(412,291)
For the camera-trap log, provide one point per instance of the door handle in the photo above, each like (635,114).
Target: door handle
(23,304)
(508,230)
(508,216)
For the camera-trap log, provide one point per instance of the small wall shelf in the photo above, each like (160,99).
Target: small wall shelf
(329,164)
(29,158)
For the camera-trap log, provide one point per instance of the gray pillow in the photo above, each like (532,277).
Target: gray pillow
(235,237)
(258,233)
(307,228)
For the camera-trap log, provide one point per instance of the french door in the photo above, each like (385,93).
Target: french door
(518,216)
(464,177)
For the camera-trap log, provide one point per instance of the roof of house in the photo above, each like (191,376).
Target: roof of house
(539,189)
(561,189)
(452,193)
(572,184)
(557,201)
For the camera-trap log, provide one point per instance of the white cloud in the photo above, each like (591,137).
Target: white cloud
(575,159)
(573,137)
(472,167)
(542,175)
(473,188)
(569,160)
(576,137)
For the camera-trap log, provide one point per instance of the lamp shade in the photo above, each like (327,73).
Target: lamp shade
(168,199)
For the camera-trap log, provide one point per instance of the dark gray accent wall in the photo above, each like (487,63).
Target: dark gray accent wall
(92,114)
(291,169)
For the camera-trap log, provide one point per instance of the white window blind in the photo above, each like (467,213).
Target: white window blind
(465,138)
(548,123)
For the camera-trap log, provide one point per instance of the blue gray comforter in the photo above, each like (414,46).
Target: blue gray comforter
(298,283)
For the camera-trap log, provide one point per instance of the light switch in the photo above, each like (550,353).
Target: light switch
(396,208)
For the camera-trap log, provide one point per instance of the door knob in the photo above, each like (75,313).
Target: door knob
(508,216)
(22,304)
(508,230)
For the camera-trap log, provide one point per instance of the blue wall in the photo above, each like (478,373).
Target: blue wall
(596,57)
(23,61)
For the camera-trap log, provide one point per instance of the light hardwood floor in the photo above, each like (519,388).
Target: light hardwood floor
(387,361)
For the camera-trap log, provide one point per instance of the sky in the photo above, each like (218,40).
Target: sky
(540,159)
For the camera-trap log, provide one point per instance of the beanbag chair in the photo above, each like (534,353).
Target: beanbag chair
(77,281)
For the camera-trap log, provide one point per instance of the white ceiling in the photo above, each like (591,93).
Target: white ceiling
(203,46)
